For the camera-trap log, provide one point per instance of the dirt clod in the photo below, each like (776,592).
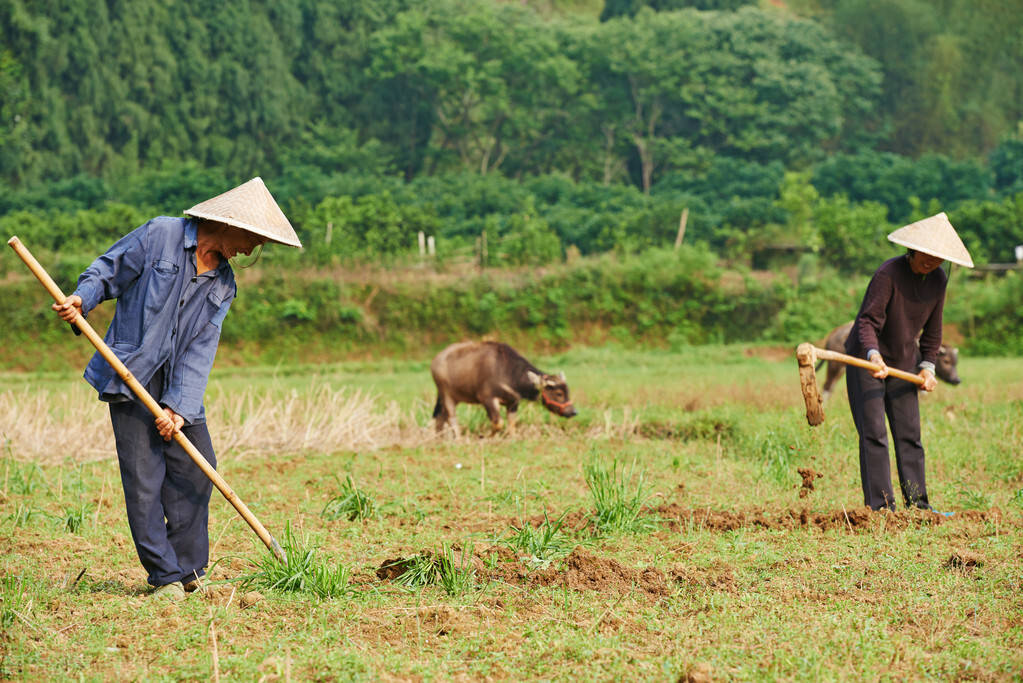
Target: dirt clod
(249,599)
(701,672)
(582,570)
(964,559)
(718,576)
(389,570)
(808,475)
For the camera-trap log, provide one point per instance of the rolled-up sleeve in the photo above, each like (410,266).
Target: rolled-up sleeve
(113,272)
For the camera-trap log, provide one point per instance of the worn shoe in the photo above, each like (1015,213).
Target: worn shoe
(192,585)
(170,592)
(928,508)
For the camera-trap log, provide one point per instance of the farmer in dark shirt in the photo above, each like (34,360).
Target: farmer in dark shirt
(173,286)
(904,299)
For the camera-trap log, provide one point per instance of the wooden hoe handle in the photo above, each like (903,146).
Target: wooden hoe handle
(825,354)
(148,400)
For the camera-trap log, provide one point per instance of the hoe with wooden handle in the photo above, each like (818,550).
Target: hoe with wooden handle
(148,400)
(807,355)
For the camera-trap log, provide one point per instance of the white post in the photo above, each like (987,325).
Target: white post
(431,246)
(1019,253)
(422,243)
(330,230)
(681,228)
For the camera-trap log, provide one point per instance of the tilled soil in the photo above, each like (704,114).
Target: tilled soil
(583,570)
(853,519)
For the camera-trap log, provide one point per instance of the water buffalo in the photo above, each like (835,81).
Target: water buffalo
(944,369)
(492,374)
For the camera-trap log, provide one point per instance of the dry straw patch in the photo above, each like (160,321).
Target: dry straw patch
(53,427)
(321,419)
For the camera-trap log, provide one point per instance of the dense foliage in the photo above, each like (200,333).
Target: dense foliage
(787,137)
(107,89)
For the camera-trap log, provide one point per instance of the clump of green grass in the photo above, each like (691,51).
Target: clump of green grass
(22,515)
(543,544)
(454,574)
(22,478)
(303,572)
(74,518)
(352,503)
(456,577)
(775,449)
(618,498)
(970,498)
(706,425)
(12,600)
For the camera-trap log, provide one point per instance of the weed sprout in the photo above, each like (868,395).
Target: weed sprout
(619,498)
(543,544)
(453,574)
(74,518)
(352,503)
(303,573)
(12,600)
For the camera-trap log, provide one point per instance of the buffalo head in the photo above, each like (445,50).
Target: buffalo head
(554,393)
(945,368)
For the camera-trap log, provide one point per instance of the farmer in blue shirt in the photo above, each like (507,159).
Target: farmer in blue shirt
(173,286)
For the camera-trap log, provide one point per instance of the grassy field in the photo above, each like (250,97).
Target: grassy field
(687,524)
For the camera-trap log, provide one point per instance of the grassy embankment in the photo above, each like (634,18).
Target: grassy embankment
(710,550)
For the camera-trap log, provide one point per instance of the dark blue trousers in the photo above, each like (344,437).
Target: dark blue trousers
(166,494)
(871,400)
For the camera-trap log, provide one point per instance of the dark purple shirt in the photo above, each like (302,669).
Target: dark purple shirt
(897,306)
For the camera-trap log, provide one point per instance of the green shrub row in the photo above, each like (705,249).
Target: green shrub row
(661,298)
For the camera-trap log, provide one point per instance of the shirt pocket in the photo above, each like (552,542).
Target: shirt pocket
(164,267)
(124,349)
(217,309)
(161,286)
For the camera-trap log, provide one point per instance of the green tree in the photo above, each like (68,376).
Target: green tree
(15,142)
(492,77)
(679,86)
(951,68)
(1006,162)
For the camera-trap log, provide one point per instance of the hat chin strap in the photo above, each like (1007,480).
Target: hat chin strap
(253,258)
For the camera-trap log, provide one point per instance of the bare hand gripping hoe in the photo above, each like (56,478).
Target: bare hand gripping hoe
(807,356)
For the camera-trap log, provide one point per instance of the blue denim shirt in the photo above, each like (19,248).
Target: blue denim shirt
(166,314)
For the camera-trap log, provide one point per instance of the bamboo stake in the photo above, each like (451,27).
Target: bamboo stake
(683,219)
(83,325)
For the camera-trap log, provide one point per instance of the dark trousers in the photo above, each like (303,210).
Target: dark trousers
(166,494)
(872,399)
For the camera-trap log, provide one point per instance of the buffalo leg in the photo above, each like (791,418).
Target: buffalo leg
(512,409)
(440,412)
(493,408)
(835,371)
(445,414)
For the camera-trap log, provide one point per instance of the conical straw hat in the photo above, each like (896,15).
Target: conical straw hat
(934,236)
(249,207)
